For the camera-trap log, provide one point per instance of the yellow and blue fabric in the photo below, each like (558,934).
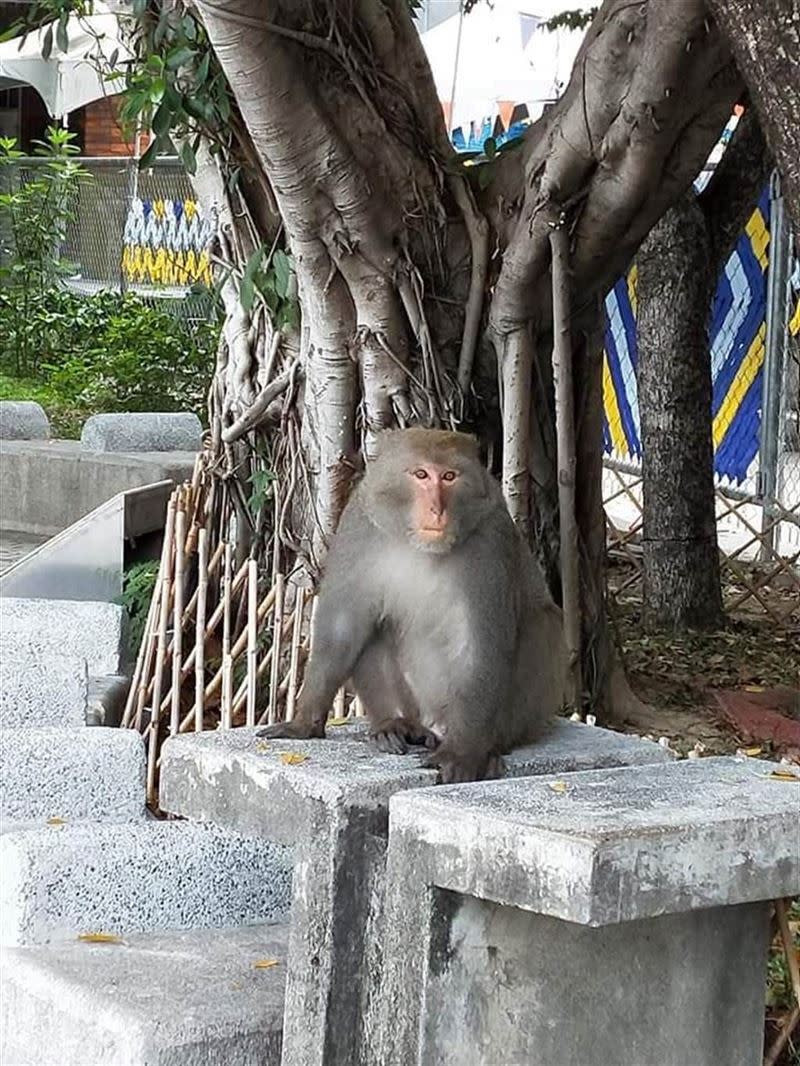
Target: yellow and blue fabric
(737,335)
(167,243)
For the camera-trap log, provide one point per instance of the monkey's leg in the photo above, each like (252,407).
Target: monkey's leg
(388,701)
(338,640)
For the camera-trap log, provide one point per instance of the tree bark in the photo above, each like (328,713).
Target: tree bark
(681,558)
(407,268)
(679,264)
(765,40)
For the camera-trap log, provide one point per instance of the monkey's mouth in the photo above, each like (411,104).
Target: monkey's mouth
(432,532)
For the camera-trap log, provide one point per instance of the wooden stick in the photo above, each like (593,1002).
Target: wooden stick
(262,667)
(151,639)
(782,914)
(227,661)
(338,705)
(155,713)
(359,707)
(215,683)
(137,672)
(789,1026)
(565,445)
(177,621)
(252,640)
(294,655)
(200,629)
(277,634)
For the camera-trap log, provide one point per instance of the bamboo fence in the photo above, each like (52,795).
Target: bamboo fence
(224,641)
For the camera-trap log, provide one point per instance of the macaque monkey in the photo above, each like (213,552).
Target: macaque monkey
(432,604)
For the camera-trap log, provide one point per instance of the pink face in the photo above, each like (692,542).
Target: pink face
(432,489)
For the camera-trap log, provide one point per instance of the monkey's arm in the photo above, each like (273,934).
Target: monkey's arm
(346,617)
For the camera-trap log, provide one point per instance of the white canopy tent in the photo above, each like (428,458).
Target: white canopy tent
(66,80)
(500,53)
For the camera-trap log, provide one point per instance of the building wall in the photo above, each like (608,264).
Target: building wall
(102,131)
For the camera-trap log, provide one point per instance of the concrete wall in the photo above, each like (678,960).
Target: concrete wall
(47,485)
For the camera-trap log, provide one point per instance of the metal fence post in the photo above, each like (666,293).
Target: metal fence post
(775,346)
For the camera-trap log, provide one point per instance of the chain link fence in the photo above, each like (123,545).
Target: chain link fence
(135,231)
(754,339)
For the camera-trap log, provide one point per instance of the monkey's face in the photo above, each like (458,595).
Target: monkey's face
(432,498)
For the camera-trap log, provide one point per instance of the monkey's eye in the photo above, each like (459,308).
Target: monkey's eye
(420,474)
(449,475)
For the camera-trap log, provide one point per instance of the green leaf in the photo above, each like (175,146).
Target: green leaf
(162,119)
(47,43)
(282,267)
(179,57)
(188,158)
(201,77)
(490,147)
(149,156)
(13,31)
(247,293)
(62,37)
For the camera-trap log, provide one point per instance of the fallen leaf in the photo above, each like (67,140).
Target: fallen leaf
(558,786)
(99,938)
(56,821)
(753,751)
(293,758)
(264,964)
(754,688)
(262,747)
(338,721)
(784,775)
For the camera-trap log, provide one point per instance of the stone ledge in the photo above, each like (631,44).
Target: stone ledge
(607,846)
(168,999)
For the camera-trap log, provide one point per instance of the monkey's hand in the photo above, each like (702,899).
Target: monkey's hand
(457,767)
(393,735)
(294,730)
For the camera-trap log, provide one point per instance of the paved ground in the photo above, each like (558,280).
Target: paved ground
(14,545)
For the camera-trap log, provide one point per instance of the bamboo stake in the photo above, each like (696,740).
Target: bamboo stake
(143,644)
(277,634)
(792,960)
(150,638)
(252,640)
(338,705)
(294,655)
(227,661)
(565,444)
(177,620)
(215,683)
(155,714)
(200,629)
(262,667)
(211,625)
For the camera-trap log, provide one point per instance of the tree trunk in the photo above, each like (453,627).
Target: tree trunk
(765,39)
(681,558)
(679,264)
(405,317)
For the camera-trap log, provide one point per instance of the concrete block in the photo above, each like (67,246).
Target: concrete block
(74,774)
(143,432)
(60,881)
(167,999)
(335,806)
(23,420)
(37,691)
(45,486)
(70,629)
(646,888)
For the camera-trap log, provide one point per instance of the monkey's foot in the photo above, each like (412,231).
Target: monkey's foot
(458,767)
(295,730)
(393,736)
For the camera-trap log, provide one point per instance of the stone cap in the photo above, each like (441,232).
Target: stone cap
(23,420)
(232,778)
(607,846)
(143,432)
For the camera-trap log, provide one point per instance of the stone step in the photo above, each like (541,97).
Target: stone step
(63,880)
(158,999)
(71,774)
(68,628)
(38,690)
